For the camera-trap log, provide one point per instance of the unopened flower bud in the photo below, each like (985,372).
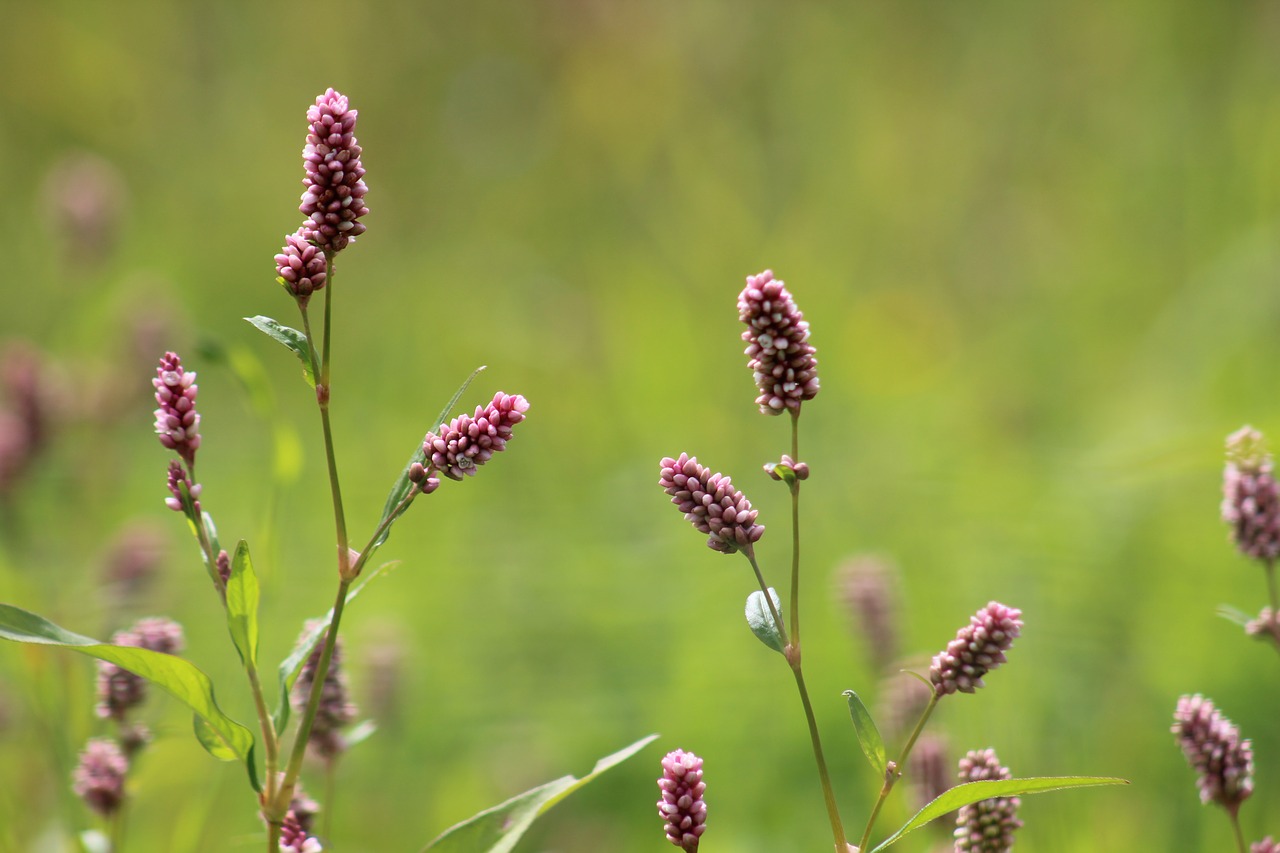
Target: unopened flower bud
(1215,751)
(335,189)
(177,422)
(99,777)
(711,504)
(682,807)
(469,441)
(978,648)
(1251,497)
(780,355)
(986,826)
(301,265)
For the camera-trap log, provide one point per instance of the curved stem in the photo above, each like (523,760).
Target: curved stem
(750,553)
(828,793)
(892,775)
(795,532)
(1274,622)
(1234,814)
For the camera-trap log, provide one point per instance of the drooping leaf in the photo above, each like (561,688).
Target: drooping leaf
(497,829)
(292,665)
(400,489)
(972,792)
(242,605)
(293,339)
(761,621)
(178,677)
(868,735)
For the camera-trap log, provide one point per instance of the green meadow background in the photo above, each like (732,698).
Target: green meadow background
(1039,248)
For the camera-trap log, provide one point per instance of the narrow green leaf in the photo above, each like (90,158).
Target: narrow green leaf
(293,339)
(868,735)
(760,620)
(177,677)
(497,829)
(400,489)
(292,665)
(359,733)
(973,792)
(242,605)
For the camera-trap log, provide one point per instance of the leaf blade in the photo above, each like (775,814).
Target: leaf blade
(242,605)
(868,735)
(499,828)
(292,339)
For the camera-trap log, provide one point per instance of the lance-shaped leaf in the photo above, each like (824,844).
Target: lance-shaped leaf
(760,619)
(242,605)
(293,339)
(497,829)
(395,505)
(973,792)
(868,735)
(177,677)
(292,665)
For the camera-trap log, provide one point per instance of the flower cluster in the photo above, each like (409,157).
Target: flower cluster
(177,422)
(1250,496)
(335,710)
(777,336)
(119,690)
(294,838)
(682,807)
(99,777)
(301,265)
(978,648)
(1215,751)
(986,826)
(711,503)
(1266,845)
(469,441)
(334,199)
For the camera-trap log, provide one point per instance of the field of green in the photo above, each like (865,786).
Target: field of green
(1039,248)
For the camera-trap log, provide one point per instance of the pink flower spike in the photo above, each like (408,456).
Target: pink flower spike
(780,356)
(334,199)
(177,422)
(469,441)
(682,807)
(711,504)
(978,648)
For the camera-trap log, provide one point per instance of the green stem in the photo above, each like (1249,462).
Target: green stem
(795,532)
(1234,814)
(894,773)
(285,793)
(1275,603)
(330,783)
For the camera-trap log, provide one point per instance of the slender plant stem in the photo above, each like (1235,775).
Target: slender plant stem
(330,784)
(1234,814)
(1274,621)
(750,553)
(892,775)
(313,702)
(795,533)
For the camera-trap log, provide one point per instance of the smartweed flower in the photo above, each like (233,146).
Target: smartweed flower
(294,838)
(978,648)
(335,710)
(682,807)
(870,594)
(177,478)
(177,422)
(1266,845)
(99,777)
(469,441)
(1250,497)
(1215,751)
(334,200)
(711,504)
(301,265)
(778,348)
(986,826)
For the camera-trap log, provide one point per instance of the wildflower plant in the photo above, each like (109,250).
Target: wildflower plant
(784,367)
(310,686)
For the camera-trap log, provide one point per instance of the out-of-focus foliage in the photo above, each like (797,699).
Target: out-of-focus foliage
(1038,247)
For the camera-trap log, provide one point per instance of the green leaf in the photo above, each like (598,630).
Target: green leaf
(242,605)
(291,338)
(973,792)
(393,508)
(868,735)
(292,665)
(359,733)
(761,621)
(177,677)
(497,829)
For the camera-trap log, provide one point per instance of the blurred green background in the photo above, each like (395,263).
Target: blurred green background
(1037,244)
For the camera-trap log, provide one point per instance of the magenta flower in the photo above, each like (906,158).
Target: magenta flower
(777,336)
(99,777)
(986,826)
(1215,751)
(682,807)
(294,838)
(1250,496)
(301,265)
(335,711)
(177,422)
(469,441)
(711,504)
(334,200)
(978,648)
(176,478)
(1266,845)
